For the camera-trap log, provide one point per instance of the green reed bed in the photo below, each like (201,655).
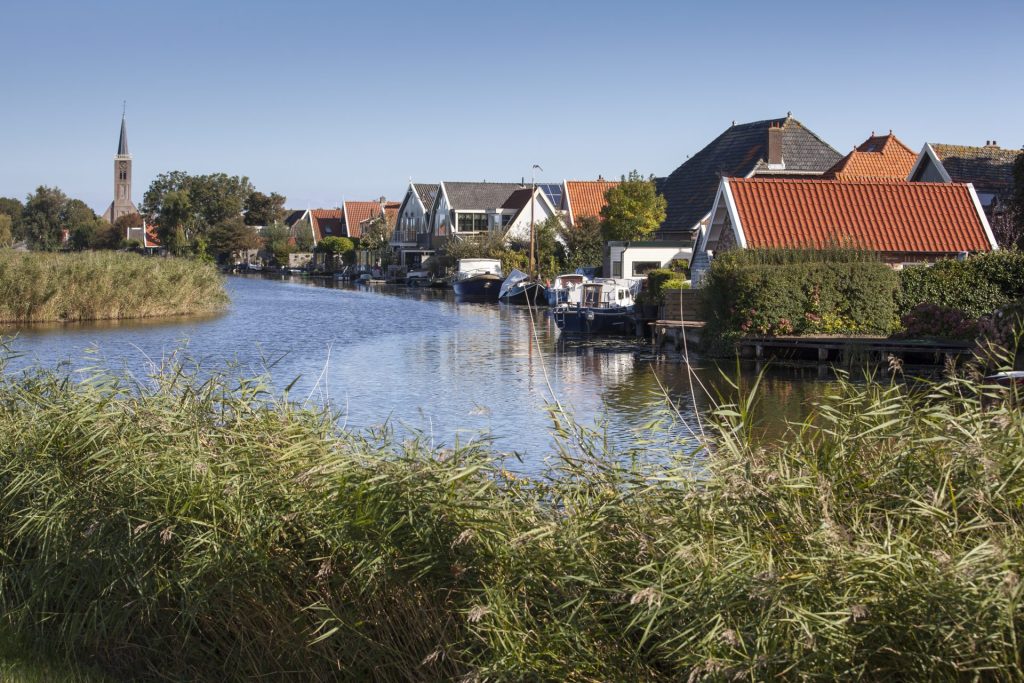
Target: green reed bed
(42,287)
(202,529)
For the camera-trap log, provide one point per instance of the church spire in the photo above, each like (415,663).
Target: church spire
(122,144)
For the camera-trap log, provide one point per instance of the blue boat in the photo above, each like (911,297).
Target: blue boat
(478,279)
(519,289)
(606,306)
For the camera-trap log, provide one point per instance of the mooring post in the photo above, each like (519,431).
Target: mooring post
(822,353)
(759,351)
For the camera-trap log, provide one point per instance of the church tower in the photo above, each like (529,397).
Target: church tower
(122,204)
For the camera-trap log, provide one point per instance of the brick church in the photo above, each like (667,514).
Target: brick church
(122,204)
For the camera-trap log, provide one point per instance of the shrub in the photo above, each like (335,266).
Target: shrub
(787,291)
(977,285)
(932,320)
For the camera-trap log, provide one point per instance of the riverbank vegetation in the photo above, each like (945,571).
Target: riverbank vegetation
(40,287)
(194,527)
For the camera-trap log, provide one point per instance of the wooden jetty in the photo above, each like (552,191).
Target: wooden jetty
(849,350)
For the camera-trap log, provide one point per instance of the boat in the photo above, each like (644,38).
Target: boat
(518,288)
(566,289)
(418,278)
(605,307)
(478,279)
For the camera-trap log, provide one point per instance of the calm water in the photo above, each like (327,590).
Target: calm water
(418,359)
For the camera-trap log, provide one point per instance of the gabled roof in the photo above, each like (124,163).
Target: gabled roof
(741,150)
(293,216)
(878,157)
(426,193)
(586,197)
(478,196)
(326,223)
(888,216)
(989,168)
(356,213)
(519,201)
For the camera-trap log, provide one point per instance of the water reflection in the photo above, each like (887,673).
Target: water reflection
(422,361)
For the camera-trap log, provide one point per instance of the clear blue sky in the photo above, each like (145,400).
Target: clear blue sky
(326,100)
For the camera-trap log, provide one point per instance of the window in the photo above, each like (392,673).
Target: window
(505,220)
(616,268)
(472,222)
(643,267)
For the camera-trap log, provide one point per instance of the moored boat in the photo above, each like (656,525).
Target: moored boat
(519,289)
(565,289)
(478,279)
(606,306)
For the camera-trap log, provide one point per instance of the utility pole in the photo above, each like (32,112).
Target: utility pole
(533,192)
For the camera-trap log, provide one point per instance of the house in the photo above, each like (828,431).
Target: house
(326,223)
(878,157)
(774,147)
(988,168)
(904,222)
(357,212)
(636,259)
(411,237)
(390,212)
(145,236)
(583,198)
(462,208)
(525,212)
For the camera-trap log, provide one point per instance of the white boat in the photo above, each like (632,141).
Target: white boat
(566,289)
(606,306)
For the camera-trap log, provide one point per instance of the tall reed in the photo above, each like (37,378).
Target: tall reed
(40,287)
(194,526)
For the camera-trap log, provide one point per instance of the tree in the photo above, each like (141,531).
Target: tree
(6,231)
(1016,203)
(213,199)
(634,209)
(277,240)
(42,222)
(336,246)
(232,236)
(13,208)
(172,221)
(82,224)
(548,251)
(584,243)
(304,236)
(263,209)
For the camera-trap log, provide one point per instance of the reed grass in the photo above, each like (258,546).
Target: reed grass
(194,526)
(44,287)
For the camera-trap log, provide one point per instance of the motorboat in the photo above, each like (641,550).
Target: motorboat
(478,279)
(418,278)
(606,306)
(518,288)
(566,289)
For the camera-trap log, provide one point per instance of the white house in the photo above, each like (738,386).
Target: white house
(636,259)
(411,238)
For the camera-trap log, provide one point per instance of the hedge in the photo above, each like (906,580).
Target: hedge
(976,286)
(792,291)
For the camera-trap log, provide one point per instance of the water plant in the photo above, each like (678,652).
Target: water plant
(195,526)
(47,287)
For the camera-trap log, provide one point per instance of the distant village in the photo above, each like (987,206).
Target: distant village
(770,183)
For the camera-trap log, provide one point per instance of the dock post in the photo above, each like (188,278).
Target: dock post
(759,351)
(822,353)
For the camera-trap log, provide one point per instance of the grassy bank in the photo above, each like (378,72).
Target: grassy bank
(39,287)
(200,529)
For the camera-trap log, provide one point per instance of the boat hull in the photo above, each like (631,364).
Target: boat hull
(587,321)
(478,287)
(530,293)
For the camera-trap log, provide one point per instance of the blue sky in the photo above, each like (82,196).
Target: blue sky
(324,101)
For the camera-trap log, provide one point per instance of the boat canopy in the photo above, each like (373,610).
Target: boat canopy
(513,279)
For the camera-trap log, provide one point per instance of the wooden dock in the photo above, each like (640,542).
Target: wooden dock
(848,350)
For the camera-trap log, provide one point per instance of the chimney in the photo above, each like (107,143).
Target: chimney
(775,146)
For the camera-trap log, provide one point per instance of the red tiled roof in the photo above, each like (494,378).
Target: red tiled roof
(586,197)
(391,214)
(356,213)
(880,156)
(890,216)
(326,223)
(151,238)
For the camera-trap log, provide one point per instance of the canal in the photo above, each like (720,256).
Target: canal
(421,362)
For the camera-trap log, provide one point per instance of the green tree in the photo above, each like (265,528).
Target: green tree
(13,208)
(264,209)
(1016,204)
(584,243)
(548,251)
(172,221)
(232,236)
(304,236)
(634,209)
(277,240)
(42,218)
(336,246)
(213,198)
(84,227)
(6,231)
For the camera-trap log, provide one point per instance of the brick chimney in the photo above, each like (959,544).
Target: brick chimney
(775,146)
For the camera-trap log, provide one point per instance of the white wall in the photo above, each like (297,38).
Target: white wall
(629,255)
(520,228)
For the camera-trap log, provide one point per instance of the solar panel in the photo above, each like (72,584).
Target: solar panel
(553,191)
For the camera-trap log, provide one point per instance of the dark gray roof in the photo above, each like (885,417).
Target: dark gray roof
(292,216)
(737,152)
(479,196)
(989,168)
(426,193)
(122,144)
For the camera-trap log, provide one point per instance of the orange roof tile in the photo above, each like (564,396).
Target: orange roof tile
(586,197)
(889,216)
(880,156)
(325,223)
(356,213)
